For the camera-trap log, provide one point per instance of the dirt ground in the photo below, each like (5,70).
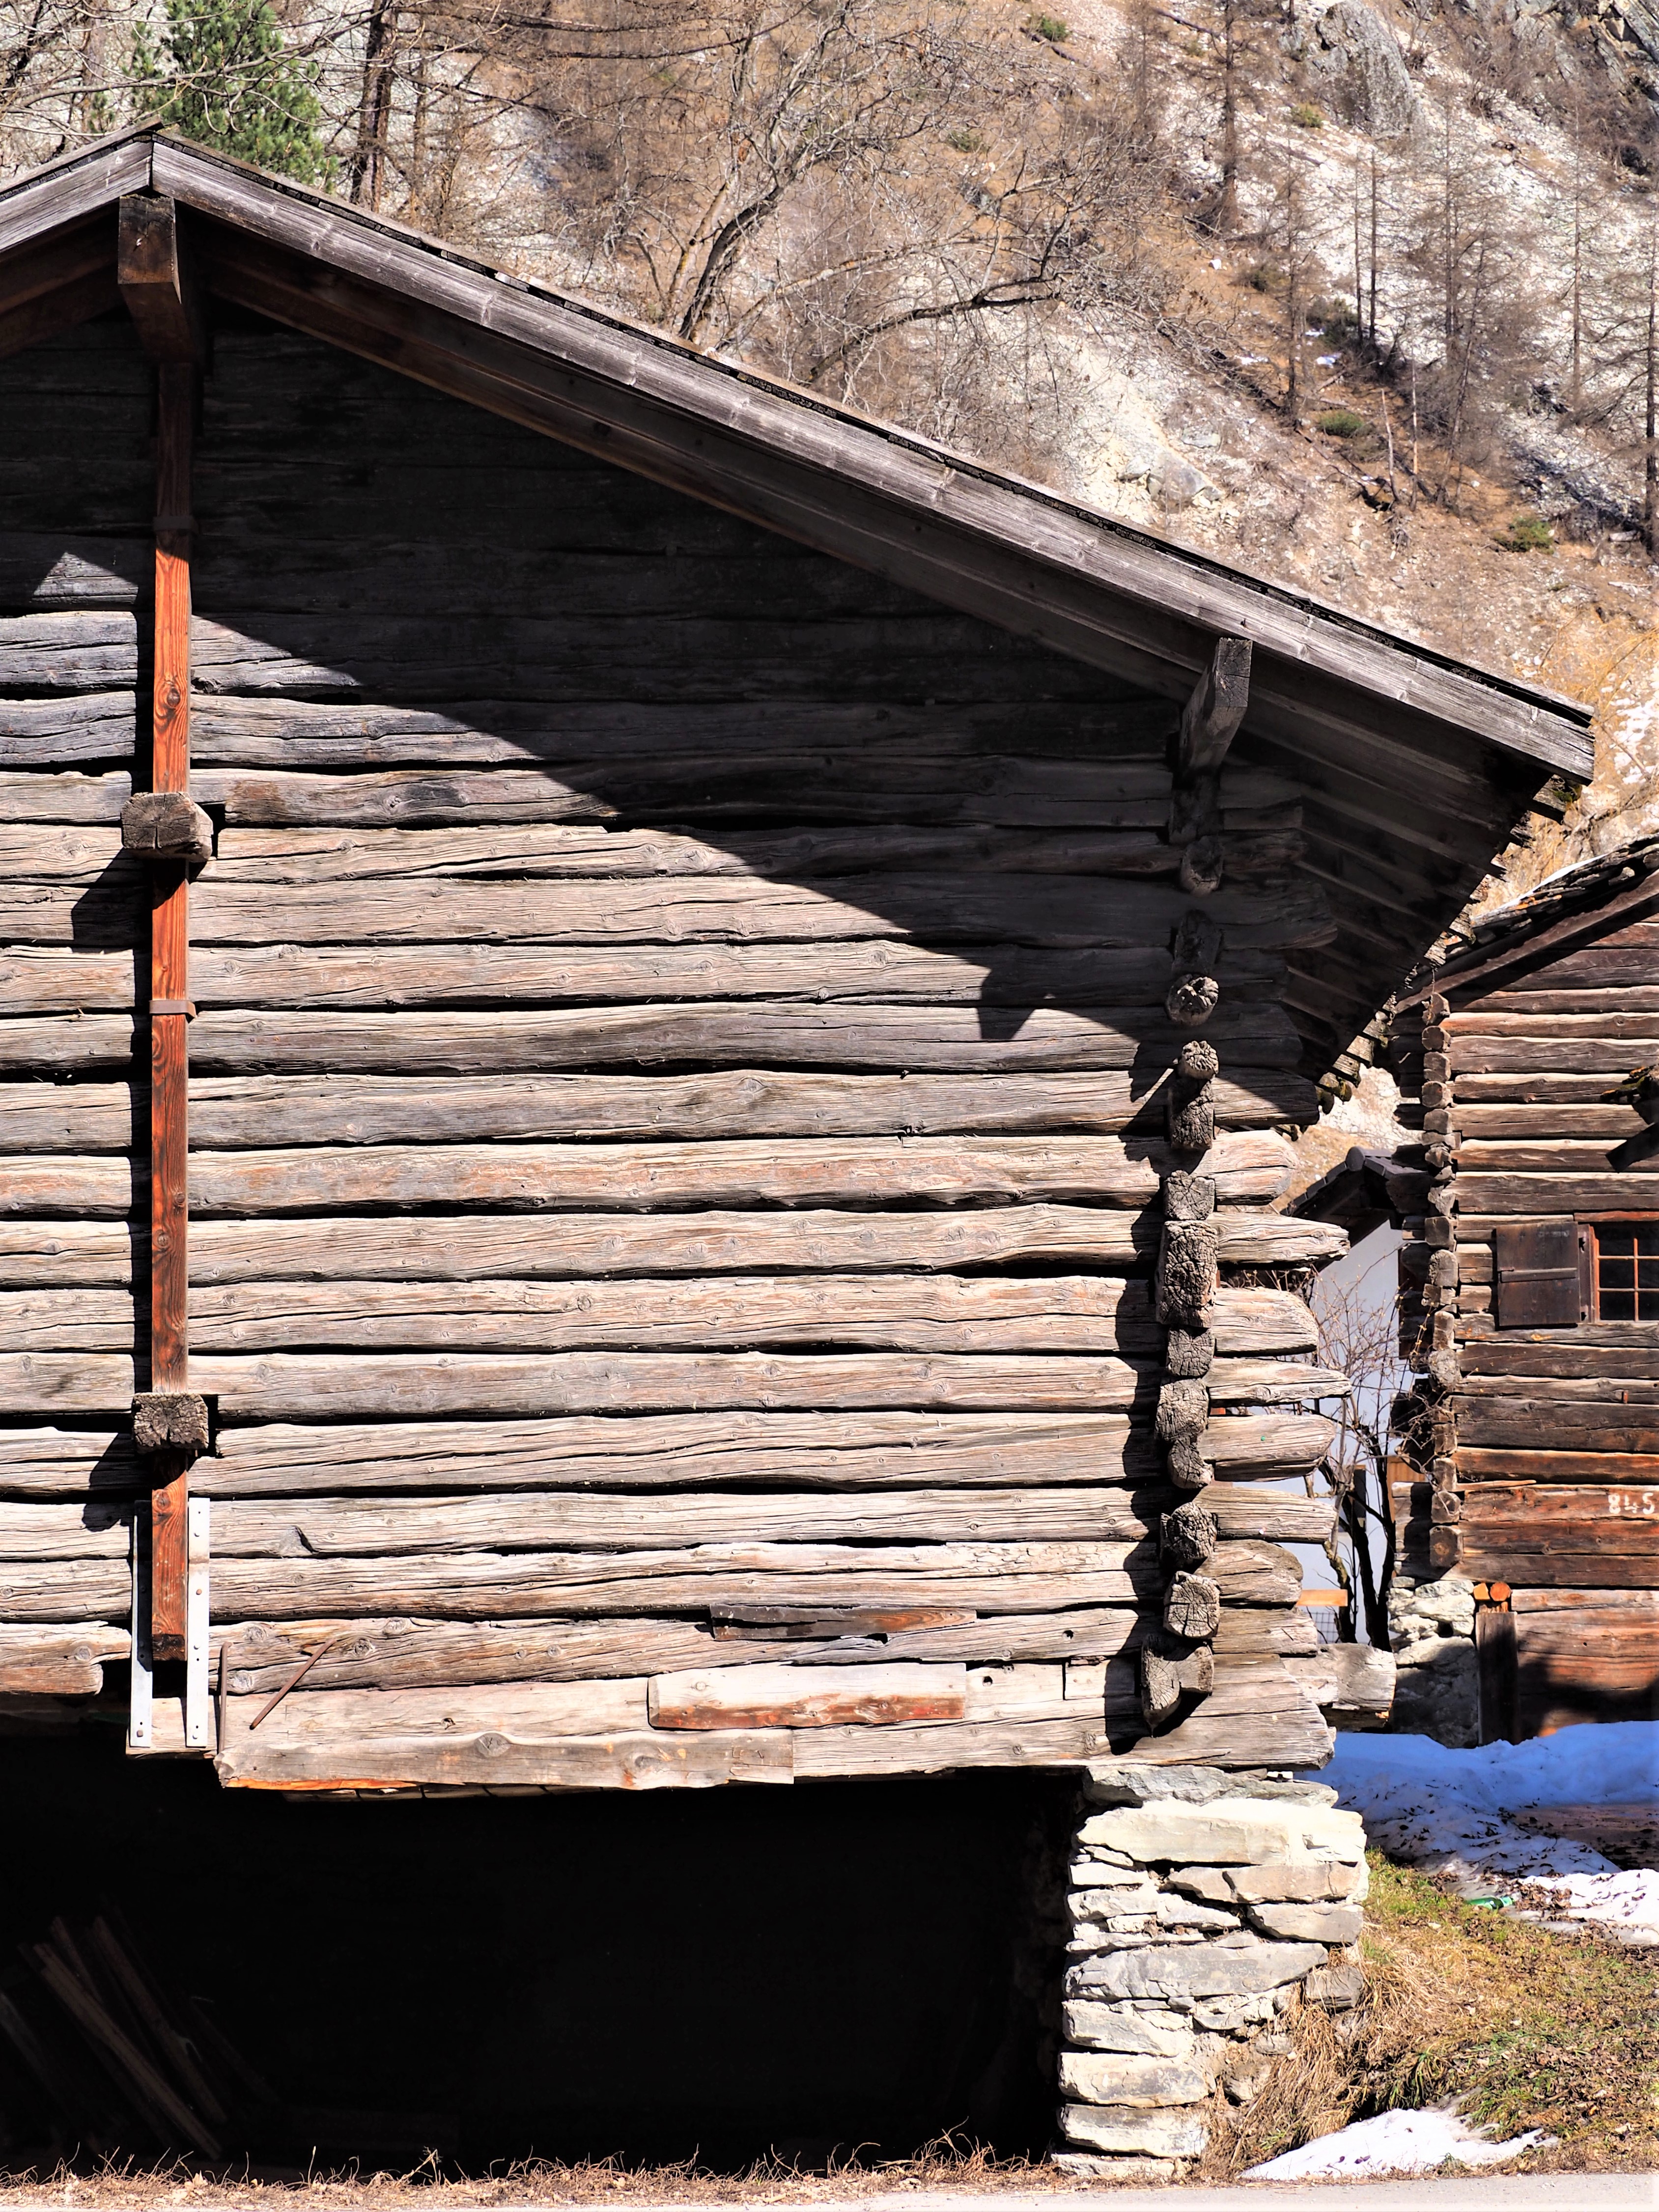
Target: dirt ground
(959,2169)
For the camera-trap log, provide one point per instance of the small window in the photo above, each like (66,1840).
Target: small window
(1625,1270)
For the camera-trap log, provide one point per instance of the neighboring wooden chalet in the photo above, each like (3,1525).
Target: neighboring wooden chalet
(1533,1278)
(729,988)
(1530,1288)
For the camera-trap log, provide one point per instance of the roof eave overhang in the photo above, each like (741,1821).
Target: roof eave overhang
(1096,590)
(1416,768)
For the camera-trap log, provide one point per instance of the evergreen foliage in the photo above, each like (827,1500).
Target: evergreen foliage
(222,78)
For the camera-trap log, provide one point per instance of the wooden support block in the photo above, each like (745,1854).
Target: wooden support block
(169,1421)
(156,283)
(166,825)
(1217,706)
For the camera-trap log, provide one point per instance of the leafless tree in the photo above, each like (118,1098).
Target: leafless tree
(1358,1322)
(1651,393)
(1295,251)
(1471,248)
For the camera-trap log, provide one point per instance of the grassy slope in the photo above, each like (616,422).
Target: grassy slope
(1535,2029)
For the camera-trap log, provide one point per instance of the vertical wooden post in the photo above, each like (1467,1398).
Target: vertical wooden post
(165,305)
(169,991)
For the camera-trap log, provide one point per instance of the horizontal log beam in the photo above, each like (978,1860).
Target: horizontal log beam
(567,1521)
(459,1247)
(255,1112)
(39,979)
(933,1039)
(945,1313)
(374,1654)
(1248,1167)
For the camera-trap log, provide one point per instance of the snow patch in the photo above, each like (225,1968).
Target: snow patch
(1482,1816)
(1394,2143)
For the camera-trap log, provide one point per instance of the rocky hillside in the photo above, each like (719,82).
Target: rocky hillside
(1356,295)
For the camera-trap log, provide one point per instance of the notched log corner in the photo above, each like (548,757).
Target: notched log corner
(1192,1606)
(1167,1676)
(1188,1277)
(1190,1107)
(166,825)
(1187,1536)
(169,1420)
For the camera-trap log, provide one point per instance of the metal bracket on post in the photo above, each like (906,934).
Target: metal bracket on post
(198,1702)
(141,1734)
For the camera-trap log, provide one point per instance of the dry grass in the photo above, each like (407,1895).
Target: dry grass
(1529,2028)
(948,2164)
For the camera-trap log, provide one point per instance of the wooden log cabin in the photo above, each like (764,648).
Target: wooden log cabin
(651,1033)
(1532,1290)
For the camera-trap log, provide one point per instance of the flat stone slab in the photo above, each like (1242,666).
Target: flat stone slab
(1309,1923)
(1126,1782)
(1121,2128)
(1104,2077)
(1229,1831)
(1103,2027)
(1191,1971)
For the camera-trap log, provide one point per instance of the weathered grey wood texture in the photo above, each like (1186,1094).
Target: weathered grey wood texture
(676,1113)
(1545,1480)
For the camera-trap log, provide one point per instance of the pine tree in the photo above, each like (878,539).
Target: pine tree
(220,76)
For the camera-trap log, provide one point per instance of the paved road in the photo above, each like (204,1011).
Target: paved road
(1486,2192)
(1496,2192)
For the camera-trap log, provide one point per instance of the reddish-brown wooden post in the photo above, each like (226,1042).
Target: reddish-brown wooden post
(169,995)
(169,833)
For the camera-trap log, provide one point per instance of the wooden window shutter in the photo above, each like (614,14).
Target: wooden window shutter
(1535,1278)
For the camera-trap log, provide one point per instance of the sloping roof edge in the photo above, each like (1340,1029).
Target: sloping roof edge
(1086,584)
(1547,921)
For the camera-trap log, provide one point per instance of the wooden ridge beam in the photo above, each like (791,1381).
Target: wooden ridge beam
(157,282)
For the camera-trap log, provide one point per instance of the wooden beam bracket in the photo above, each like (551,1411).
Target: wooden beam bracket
(153,270)
(166,825)
(169,1421)
(1211,718)
(1208,723)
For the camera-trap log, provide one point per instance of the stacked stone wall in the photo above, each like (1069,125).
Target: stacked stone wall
(1437,1687)
(1204,1907)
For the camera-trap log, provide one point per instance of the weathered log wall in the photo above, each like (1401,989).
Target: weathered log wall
(679,1124)
(1539,1440)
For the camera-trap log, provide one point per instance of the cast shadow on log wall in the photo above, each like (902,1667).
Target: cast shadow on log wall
(620,921)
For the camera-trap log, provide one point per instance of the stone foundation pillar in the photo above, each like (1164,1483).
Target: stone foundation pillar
(1203,1906)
